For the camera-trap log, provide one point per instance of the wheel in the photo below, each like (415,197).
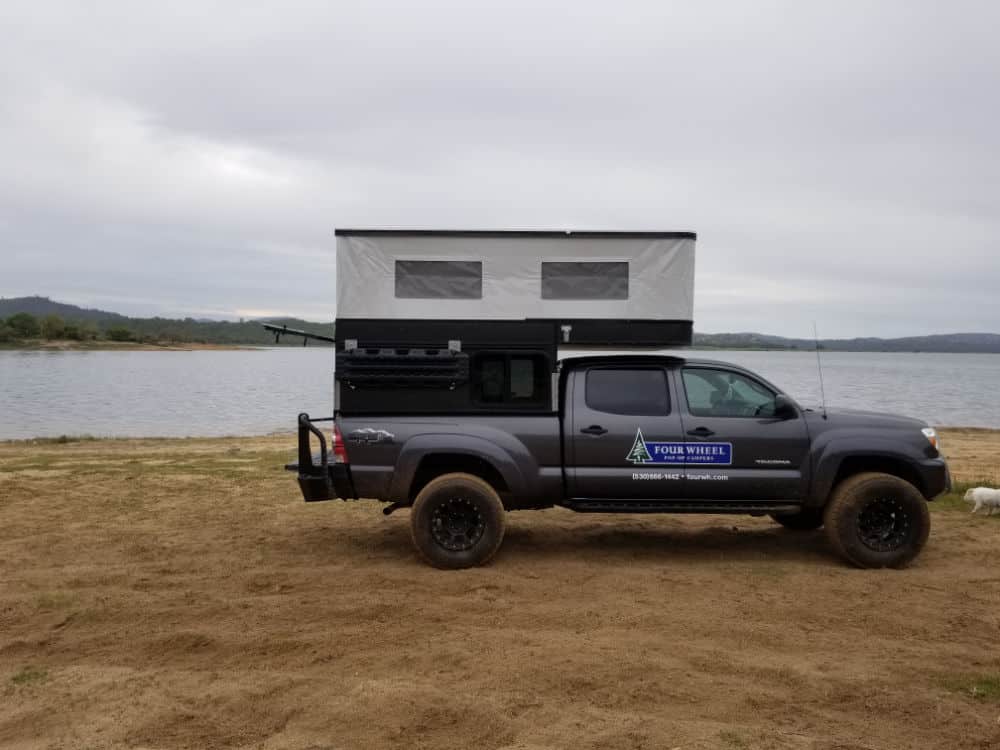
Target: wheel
(805,520)
(457,521)
(877,521)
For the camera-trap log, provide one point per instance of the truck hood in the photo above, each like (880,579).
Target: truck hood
(860,418)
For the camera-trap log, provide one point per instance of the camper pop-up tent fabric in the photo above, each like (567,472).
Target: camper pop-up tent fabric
(515,275)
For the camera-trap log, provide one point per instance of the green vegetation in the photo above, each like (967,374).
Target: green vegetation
(63,439)
(31,321)
(23,326)
(732,738)
(54,600)
(52,327)
(119,333)
(28,675)
(985,688)
(955,500)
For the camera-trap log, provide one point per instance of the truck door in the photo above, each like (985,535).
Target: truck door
(624,436)
(736,447)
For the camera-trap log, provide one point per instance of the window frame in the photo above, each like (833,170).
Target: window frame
(658,368)
(715,368)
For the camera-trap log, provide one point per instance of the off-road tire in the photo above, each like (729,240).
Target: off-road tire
(457,521)
(877,521)
(807,519)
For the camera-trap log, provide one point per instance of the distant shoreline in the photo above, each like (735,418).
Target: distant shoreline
(985,439)
(138,346)
(126,346)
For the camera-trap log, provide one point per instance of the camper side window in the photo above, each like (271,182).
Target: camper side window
(439,279)
(510,379)
(585,280)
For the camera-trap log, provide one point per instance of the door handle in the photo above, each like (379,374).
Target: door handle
(701,432)
(594,429)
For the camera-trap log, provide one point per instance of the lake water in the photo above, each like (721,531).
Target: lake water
(254,392)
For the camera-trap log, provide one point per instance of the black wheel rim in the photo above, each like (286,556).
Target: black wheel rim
(884,525)
(457,525)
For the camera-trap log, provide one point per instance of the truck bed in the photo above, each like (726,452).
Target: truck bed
(527,449)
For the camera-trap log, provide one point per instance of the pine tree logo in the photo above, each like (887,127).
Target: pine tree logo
(639,454)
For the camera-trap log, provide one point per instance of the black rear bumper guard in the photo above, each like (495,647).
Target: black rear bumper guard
(318,478)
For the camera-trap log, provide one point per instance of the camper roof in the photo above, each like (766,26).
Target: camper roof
(511,233)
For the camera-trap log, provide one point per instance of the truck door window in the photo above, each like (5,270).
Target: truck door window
(723,393)
(639,391)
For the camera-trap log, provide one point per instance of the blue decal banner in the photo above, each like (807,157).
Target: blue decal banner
(708,454)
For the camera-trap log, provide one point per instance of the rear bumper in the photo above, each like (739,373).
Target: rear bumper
(317,485)
(318,478)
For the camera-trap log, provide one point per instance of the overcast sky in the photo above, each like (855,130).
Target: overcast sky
(839,161)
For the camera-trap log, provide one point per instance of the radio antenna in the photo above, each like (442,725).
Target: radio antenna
(819,367)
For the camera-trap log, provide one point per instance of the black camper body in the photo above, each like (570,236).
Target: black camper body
(472,321)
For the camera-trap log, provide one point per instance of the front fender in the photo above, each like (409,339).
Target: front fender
(514,463)
(827,462)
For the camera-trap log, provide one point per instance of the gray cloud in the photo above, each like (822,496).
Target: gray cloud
(839,164)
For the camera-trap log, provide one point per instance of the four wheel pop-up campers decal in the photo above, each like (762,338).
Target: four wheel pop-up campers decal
(644,452)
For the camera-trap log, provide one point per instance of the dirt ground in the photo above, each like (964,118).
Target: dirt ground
(178,594)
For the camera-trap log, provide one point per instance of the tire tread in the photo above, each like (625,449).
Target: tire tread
(430,488)
(842,498)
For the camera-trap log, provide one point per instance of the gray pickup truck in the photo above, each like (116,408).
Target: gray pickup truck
(639,434)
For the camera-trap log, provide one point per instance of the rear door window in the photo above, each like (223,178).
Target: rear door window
(639,391)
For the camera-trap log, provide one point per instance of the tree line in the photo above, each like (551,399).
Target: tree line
(22,327)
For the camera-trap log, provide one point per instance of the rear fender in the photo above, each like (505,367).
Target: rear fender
(421,446)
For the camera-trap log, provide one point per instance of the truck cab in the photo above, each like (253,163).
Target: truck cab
(693,430)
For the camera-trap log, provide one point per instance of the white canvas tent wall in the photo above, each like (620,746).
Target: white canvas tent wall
(649,275)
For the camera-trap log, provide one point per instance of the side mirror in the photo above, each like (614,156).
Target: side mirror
(784,407)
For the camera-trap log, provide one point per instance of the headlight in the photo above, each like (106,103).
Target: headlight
(932,437)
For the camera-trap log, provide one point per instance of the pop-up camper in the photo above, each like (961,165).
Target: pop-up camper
(472,320)
(450,401)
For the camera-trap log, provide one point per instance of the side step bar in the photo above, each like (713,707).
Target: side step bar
(585,505)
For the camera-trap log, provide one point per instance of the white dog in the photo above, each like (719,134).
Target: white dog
(983,497)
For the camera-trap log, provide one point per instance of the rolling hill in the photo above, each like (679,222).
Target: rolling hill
(248,332)
(251,332)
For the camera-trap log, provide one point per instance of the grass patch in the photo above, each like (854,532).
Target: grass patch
(955,500)
(982,688)
(732,738)
(29,675)
(54,600)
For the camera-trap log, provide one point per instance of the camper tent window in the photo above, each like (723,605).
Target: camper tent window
(585,280)
(439,279)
